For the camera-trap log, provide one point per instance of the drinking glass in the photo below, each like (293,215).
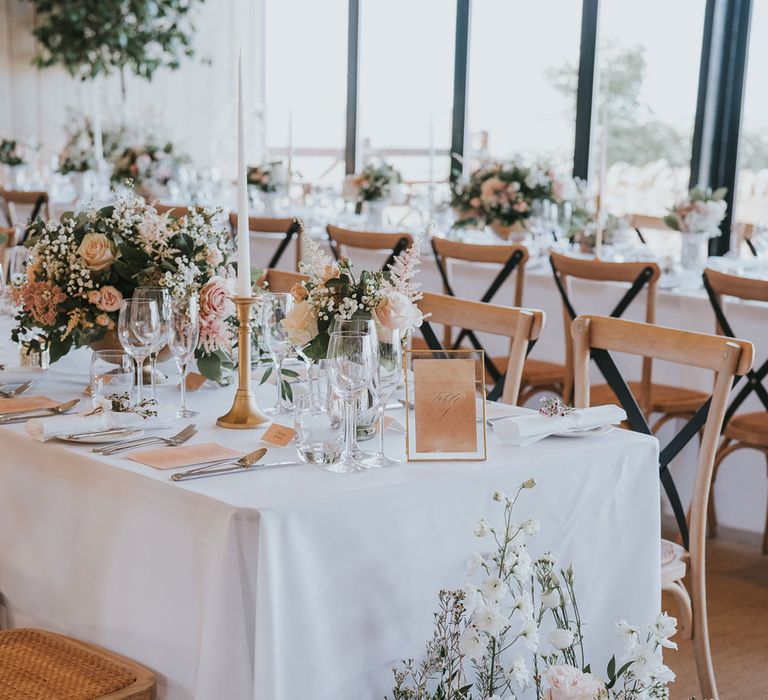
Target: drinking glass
(111,375)
(274,308)
(387,378)
(318,430)
(163,299)
(182,335)
(351,362)
(138,328)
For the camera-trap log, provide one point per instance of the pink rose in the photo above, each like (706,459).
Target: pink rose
(216,298)
(109,298)
(568,683)
(97,251)
(397,312)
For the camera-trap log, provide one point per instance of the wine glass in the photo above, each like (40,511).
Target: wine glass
(111,375)
(387,378)
(351,363)
(182,335)
(163,299)
(138,328)
(274,308)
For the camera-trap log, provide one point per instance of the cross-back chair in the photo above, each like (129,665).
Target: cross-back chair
(285,229)
(740,430)
(521,326)
(669,401)
(594,337)
(280,281)
(341,238)
(743,232)
(643,221)
(36,201)
(177,211)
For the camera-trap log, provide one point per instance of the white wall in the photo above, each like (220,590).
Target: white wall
(193,106)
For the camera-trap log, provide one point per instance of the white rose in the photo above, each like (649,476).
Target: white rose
(397,312)
(560,638)
(300,324)
(569,683)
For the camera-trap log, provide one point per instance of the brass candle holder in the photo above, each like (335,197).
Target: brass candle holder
(244,412)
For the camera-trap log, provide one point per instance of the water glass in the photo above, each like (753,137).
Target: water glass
(182,334)
(111,375)
(163,299)
(351,363)
(138,329)
(274,308)
(318,430)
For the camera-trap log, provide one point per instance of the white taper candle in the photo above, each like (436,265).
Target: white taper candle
(243,239)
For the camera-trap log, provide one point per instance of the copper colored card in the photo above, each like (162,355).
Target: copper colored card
(26,403)
(194,381)
(279,435)
(184,456)
(445,411)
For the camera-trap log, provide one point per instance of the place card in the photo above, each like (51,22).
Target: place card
(184,455)
(447,422)
(26,403)
(194,381)
(278,435)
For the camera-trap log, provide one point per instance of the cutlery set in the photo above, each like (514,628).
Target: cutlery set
(24,416)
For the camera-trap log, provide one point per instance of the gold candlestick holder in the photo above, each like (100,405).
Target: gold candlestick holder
(244,412)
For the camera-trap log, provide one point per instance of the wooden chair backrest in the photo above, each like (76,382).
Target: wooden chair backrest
(521,326)
(603,271)
(7,241)
(179,212)
(10,199)
(368,240)
(724,284)
(474,252)
(280,280)
(261,224)
(642,221)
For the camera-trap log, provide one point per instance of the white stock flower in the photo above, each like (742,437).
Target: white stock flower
(472,644)
(499,496)
(647,663)
(518,562)
(523,607)
(626,630)
(518,673)
(531,526)
(530,632)
(482,528)
(560,638)
(663,628)
(493,589)
(551,599)
(471,598)
(474,563)
(489,619)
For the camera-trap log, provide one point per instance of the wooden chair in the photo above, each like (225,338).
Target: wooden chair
(743,232)
(7,241)
(521,326)
(726,358)
(286,227)
(643,221)
(280,281)
(741,430)
(36,202)
(341,238)
(36,664)
(669,401)
(179,212)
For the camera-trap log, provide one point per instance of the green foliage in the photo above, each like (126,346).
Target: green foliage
(96,37)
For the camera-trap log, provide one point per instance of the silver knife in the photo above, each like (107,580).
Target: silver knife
(198,474)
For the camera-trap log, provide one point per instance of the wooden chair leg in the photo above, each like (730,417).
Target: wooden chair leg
(701,648)
(711,512)
(765,531)
(679,594)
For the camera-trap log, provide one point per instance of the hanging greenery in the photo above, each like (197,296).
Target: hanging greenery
(96,37)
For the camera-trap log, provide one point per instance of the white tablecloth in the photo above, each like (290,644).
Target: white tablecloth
(299,583)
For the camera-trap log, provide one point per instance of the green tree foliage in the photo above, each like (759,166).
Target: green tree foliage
(96,37)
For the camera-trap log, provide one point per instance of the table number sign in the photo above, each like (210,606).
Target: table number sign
(445,414)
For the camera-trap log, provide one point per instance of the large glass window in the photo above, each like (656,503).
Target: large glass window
(406,84)
(649,56)
(752,181)
(306,85)
(523,68)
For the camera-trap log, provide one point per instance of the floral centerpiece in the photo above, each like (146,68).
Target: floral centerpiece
(487,642)
(78,153)
(267,177)
(11,153)
(82,267)
(146,166)
(332,291)
(465,202)
(374,183)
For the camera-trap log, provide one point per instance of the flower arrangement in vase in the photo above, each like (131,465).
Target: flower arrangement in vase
(374,183)
(332,291)
(11,153)
(78,154)
(81,267)
(147,166)
(487,640)
(697,217)
(267,177)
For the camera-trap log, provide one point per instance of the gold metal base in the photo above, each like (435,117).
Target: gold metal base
(244,414)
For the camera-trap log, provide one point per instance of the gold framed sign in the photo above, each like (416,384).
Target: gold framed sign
(445,405)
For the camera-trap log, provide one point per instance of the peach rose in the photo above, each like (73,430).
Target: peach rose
(397,312)
(97,251)
(102,320)
(215,298)
(568,683)
(299,292)
(109,298)
(330,272)
(300,324)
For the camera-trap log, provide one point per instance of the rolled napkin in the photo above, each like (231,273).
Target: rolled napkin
(524,430)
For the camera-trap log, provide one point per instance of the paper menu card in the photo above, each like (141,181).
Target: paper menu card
(445,411)
(184,455)
(26,403)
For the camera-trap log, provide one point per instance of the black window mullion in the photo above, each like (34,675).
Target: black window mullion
(585,93)
(460,74)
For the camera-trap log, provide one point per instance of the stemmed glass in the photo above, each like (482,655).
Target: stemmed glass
(351,363)
(138,328)
(111,375)
(163,299)
(387,378)
(274,308)
(182,335)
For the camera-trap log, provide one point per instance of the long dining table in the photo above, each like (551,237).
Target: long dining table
(296,582)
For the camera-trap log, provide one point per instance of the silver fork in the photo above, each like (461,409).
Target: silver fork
(18,391)
(178,439)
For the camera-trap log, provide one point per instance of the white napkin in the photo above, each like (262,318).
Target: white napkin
(524,430)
